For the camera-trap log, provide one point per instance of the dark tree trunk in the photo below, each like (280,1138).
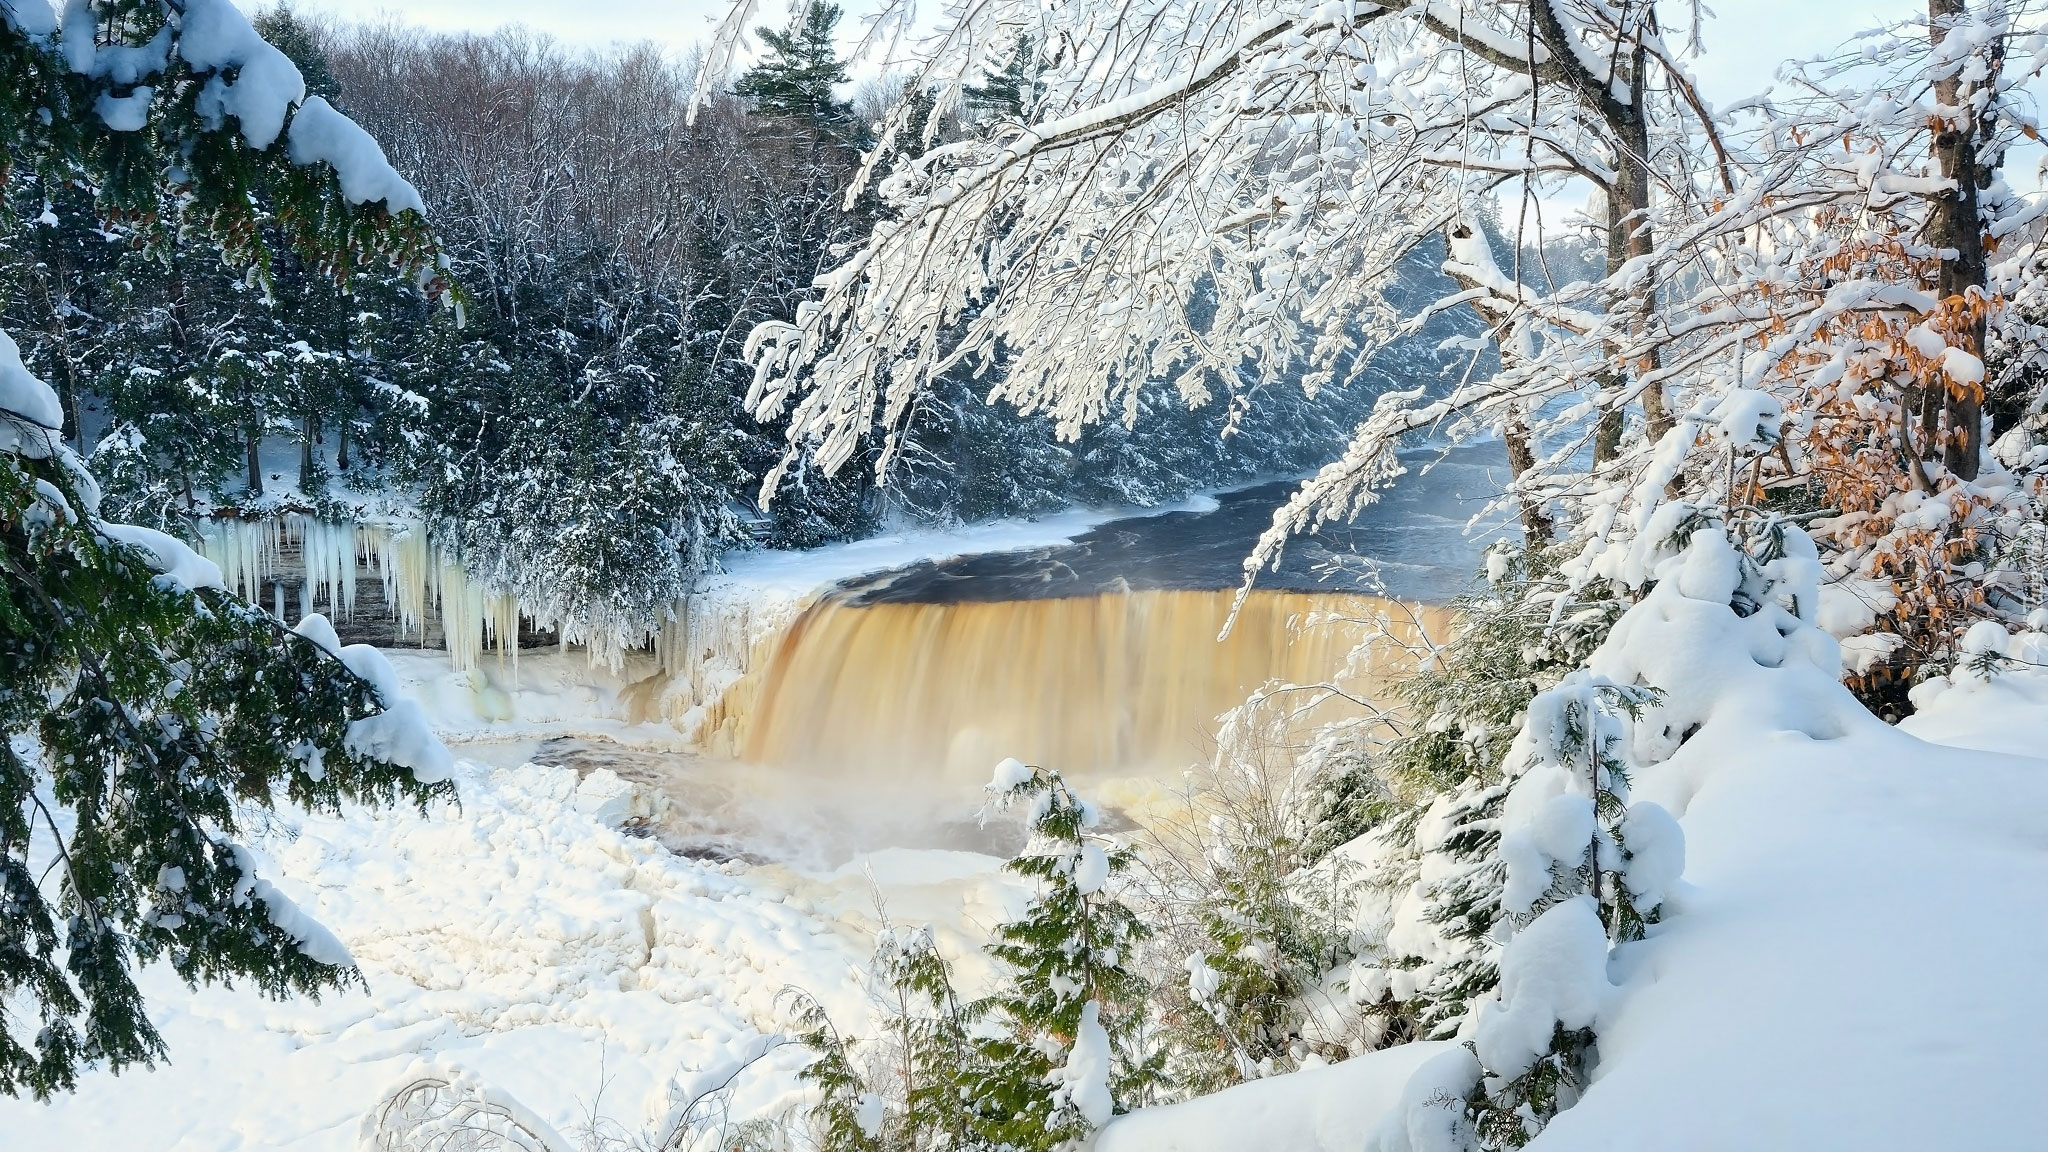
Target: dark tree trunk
(1956,227)
(1628,205)
(309,451)
(253,438)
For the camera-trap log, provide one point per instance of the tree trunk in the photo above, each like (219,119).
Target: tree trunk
(309,451)
(1633,178)
(67,397)
(1956,227)
(1537,528)
(1613,418)
(253,436)
(341,445)
(1628,204)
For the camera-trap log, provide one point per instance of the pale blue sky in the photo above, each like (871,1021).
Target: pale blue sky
(1745,39)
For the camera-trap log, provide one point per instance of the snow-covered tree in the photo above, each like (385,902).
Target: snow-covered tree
(799,78)
(1068,1050)
(911,1088)
(146,712)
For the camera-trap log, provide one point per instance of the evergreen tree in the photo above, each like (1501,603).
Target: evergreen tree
(1434,792)
(145,711)
(1068,1050)
(799,79)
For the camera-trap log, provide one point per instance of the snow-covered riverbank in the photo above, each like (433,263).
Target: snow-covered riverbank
(583,971)
(592,940)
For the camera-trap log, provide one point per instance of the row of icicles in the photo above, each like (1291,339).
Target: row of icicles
(417,576)
(701,647)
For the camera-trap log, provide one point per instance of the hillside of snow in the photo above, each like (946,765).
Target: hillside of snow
(1851,961)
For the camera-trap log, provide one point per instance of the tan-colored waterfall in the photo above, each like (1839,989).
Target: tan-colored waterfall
(1116,683)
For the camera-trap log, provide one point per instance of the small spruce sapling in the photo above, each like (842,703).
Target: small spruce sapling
(1067,1046)
(910,1090)
(1585,871)
(1435,792)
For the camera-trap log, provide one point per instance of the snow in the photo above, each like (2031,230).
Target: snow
(170,556)
(1085,1076)
(1748,420)
(868,1115)
(320,135)
(1552,974)
(1091,871)
(22,395)
(1008,775)
(1557,835)
(1833,864)
(521,943)
(1431,1115)
(401,733)
(312,938)
(34,18)
(1655,853)
(1314,1110)
(214,36)
(128,113)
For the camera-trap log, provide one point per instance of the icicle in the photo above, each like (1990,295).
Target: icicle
(401,554)
(330,551)
(502,620)
(463,618)
(248,552)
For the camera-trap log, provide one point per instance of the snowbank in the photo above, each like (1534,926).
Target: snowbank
(1314,1110)
(1854,964)
(518,938)
(1852,960)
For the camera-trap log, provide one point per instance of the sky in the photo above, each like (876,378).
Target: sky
(1746,39)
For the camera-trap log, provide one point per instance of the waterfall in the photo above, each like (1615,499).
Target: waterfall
(1127,682)
(704,653)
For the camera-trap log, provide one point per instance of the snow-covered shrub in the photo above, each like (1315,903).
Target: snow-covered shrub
(1248,931)
(1430,795)
(1727,629)
(911,1088)
(1056,1050)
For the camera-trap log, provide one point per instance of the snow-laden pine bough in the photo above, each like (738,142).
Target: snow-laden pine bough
(149,716)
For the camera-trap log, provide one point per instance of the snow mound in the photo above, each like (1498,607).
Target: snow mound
(1314,1110)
